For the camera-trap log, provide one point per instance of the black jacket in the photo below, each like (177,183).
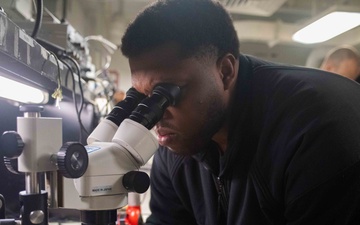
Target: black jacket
(293,157)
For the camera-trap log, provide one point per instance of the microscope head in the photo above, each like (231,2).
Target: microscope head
(110,172)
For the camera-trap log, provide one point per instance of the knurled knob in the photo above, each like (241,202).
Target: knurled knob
(11,145)
(72,160)
(11,165)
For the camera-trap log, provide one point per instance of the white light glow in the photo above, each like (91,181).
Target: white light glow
(103,105)
(19,92)
(327,27)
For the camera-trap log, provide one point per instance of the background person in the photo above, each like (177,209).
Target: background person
(343,60)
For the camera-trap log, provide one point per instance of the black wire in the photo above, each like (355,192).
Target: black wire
(78,114)
(66,78)
(39,15)
(80,84)
(74,98)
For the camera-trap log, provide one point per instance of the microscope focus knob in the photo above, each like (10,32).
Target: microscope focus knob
(136,181)
(72,160)
(12,165)
(11,145)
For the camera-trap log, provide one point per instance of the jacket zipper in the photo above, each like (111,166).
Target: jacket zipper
(222,200)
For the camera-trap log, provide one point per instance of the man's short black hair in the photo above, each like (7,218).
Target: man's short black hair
(196,25)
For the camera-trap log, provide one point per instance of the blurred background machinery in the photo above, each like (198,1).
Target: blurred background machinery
(45,61)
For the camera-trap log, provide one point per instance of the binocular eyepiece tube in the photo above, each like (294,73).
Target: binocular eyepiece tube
(146,111)
(123,109)
(151,109)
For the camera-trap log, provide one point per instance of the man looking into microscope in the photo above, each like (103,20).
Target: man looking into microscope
(251,141)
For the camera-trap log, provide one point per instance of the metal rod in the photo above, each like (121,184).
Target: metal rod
(51,188)
(32,114)
(32,183)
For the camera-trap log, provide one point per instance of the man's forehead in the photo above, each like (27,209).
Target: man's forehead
(169,53)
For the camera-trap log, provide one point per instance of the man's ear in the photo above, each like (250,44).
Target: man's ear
(227,66)
(329,67)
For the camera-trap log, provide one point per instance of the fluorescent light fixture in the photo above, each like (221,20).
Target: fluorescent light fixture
(327,27)
(20,92)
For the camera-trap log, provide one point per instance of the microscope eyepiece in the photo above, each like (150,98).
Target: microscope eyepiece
(151,109)
(123,109)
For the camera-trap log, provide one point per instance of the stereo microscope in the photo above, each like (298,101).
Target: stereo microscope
(104,171)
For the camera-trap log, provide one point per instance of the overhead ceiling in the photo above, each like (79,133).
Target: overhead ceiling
(271,21)
(268,24)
